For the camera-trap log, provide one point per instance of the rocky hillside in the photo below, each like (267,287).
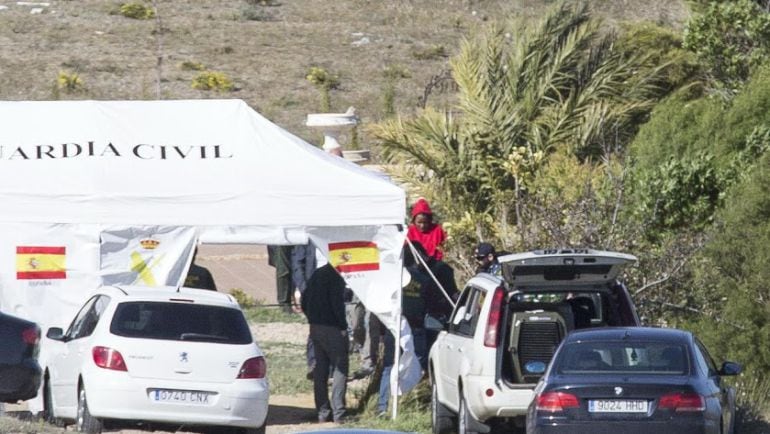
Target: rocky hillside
(265,47)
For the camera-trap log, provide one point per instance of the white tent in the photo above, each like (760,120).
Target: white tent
(212,164)
(89,189)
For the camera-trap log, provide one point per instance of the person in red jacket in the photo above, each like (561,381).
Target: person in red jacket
(424,230)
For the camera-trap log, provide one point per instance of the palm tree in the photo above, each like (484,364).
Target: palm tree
(557,87)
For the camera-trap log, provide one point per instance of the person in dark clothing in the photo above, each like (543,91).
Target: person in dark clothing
(437,302)
(303,265)
(198,276)
(486,259)
(324,306)
(280,258)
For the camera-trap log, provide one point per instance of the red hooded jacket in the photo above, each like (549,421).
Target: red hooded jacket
(430,239)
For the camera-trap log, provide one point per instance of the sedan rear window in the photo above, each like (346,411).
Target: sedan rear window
(654,358)
(180,322)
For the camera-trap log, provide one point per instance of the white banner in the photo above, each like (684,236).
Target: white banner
(146,255)
(369,259)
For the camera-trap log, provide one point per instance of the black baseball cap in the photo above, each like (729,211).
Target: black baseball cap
(484,249)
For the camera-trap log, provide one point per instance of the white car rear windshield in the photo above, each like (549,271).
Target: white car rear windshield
(180,322)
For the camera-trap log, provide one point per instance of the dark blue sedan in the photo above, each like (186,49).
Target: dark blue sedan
(633,380)
(19,369)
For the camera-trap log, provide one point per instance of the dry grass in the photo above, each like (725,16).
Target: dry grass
(265,50)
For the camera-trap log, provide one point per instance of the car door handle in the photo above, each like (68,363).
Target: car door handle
(182,371)
(460,349)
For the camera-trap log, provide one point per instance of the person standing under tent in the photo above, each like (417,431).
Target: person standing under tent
(324,306)
(198,276)
(280,258)
(425,230)
(304,261)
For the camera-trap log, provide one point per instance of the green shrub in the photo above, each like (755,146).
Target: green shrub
(189,65)
(430,53)
(212,80)
(69,82)
(137,11)
(245,300)
(730,38)
(324,81)
(257,13)
(660,47)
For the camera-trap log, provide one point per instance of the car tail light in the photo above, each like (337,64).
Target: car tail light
(492,334)
(30,335)
(553,402)
(108,358)
(683,402)
(253,368)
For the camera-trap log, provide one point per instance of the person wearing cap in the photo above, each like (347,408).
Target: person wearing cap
(424,230)
(486,259)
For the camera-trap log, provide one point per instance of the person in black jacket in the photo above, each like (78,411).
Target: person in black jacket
(323,302)
(198,276)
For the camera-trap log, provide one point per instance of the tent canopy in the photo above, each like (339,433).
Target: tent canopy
(203,163)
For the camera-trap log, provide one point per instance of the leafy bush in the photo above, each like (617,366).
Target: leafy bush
(660,47)
(189,65)
(137,11)
(324,81)
(69,82)
(731,275)
(257,13)
(730,38)
(245,300)
(212,80)
(430,53)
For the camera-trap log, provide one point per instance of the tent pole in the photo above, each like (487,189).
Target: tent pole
(397,353)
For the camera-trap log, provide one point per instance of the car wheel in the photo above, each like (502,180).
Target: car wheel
(441,417)
(464,419)
(85,422)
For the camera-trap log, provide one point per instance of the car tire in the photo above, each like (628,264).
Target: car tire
(441,417)
(85,422)
(464,419)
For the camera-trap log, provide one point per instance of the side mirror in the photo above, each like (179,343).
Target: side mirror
(55,334)
(730,368)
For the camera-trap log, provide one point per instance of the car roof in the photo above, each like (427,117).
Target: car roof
(630,334)
(169,293)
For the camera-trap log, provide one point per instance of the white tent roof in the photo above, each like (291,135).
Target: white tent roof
(183,163)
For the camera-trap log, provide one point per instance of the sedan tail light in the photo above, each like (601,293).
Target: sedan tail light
(492,333)
(554,402)
(253,368)
(30,335)
(108,358)
(683,402)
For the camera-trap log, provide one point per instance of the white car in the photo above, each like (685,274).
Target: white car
(503,332)
(164,355)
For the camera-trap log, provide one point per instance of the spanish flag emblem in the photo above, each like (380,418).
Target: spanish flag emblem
(36,262)
(354,256)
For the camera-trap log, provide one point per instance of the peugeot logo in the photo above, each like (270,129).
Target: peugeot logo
(183,359)
(618,391)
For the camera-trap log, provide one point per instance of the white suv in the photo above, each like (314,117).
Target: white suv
(503,332)
(165,355)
